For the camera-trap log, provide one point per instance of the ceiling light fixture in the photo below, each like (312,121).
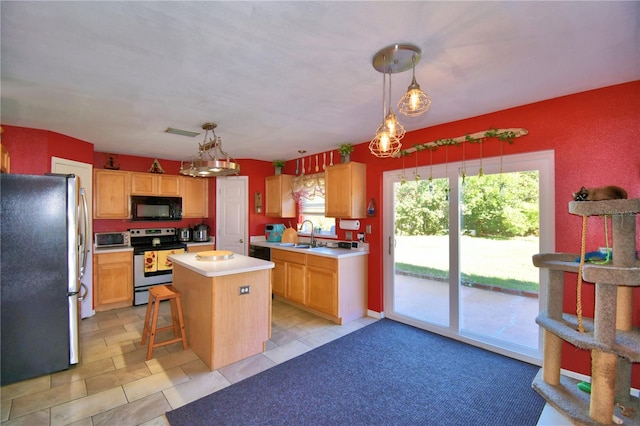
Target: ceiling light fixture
(394,59)
(385,143)
(414,102)
(211,160)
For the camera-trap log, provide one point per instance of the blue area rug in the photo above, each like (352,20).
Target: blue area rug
(386,373)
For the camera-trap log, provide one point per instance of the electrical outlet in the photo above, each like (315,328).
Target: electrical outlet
(244,289)
(361,237)
(349,235)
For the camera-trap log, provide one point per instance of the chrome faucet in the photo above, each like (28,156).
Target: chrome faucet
(313,240)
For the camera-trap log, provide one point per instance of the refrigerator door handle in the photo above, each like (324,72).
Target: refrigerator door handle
(83,233)
(83,295)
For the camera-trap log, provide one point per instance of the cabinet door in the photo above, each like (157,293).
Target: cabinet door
(155,184)
(168,185)
(111,194)
(296,282)
(278,199)
(279,277)
(322,284)
(113,280)
(143,184)
(345,190)
(195,197)
(199,248)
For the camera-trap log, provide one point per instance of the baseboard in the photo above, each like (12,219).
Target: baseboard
(374,314)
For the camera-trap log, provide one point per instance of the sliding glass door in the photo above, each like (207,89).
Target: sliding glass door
(459,249)
(422,250)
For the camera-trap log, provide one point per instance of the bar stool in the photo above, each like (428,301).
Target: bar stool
(156,295)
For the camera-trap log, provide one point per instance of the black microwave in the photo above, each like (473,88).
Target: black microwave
(146,208)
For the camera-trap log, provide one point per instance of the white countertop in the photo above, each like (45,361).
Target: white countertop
(217,268)
(336,253)
(98,250)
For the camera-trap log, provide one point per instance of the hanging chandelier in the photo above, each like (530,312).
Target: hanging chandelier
(211,160)
(395,59)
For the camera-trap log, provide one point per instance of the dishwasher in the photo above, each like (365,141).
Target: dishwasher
(260,252)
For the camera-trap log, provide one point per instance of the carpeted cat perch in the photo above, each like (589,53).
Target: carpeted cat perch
(610,336)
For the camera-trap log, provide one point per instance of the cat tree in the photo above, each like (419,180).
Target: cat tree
(610,336)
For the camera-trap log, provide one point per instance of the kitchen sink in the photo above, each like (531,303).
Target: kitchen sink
(295,245)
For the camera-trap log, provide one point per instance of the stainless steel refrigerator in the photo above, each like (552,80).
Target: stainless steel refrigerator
(43,253)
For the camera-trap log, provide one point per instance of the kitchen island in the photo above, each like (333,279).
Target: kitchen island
(226,305)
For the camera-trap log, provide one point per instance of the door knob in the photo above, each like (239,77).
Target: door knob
(242,240)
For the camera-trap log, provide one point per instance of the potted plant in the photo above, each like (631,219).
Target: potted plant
(345,151)
(278,164)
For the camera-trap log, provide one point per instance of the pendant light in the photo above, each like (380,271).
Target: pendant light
(414,102)
(390,120)
(211,160)
(394,59)
(385,143)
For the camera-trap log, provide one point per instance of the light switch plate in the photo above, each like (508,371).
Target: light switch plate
(368,229)
(349,235)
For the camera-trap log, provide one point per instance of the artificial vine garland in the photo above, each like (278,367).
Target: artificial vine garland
(503,135)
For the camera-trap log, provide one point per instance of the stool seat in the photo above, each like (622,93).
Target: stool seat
(156,295)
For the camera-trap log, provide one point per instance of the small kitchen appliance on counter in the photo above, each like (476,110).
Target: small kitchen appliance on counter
(184,234)
(273,232)
(201,232)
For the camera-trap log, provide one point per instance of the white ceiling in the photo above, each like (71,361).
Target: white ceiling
(278,77)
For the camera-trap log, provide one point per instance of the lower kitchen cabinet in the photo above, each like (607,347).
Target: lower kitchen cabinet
(112,280)
(334,288)
(322,284)
(291,274)
(192,248)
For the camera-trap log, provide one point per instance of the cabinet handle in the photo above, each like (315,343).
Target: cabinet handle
(241,240)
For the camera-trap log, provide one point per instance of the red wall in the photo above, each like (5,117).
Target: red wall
(594,135)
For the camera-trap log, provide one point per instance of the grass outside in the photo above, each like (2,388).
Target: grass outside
(495,263)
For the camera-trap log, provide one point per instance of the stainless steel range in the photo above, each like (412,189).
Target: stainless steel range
(150,264)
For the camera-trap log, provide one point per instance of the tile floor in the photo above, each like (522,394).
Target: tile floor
(115,385)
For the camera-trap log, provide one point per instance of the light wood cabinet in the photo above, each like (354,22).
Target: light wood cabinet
(278,197)
(345,190)
(292,274)
(112,280)
(195,197)
(199,248)
(111,194)
(5,159)
(278,277)
(155,184)
(333,288)
(322,284)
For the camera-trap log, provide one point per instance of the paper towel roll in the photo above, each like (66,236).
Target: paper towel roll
(350,225)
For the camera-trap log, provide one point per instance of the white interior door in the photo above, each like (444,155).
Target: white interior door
(232,214)
(85,172)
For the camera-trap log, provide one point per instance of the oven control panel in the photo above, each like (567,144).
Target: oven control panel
(152,232)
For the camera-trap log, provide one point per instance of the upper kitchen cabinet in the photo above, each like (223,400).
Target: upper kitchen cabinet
(111,194)
(155,184)
(345,189)
(195,197)
(279,200)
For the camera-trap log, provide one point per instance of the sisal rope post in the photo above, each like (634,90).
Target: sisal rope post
(583,244)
